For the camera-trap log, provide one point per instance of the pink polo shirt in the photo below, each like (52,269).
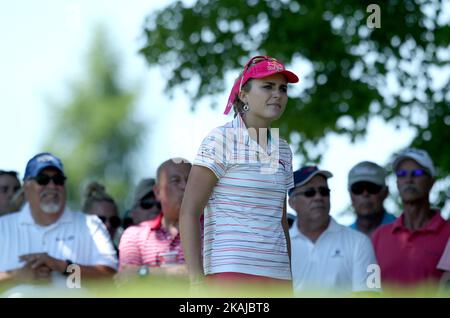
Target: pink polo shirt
(407,257)
(146,243)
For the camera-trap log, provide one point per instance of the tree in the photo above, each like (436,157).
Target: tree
(358,70)
(94,132)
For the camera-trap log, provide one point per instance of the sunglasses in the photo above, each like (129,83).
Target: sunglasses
(43,179)
(253,61)
(412,173)
(114,220)
(311,192)
(257,59)
(371,188)
(149,203)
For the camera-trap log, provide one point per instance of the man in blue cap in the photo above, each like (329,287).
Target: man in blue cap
(45,237)
(326,257)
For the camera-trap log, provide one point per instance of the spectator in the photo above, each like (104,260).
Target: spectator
(326,257)
(240,179)
(155,245)
(408,250)
(45,237)
(99,203)
(145,206)
(9,186)
(368,190)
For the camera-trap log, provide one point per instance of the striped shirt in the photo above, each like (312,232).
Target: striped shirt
(76,236)
(243,232)
(148,243)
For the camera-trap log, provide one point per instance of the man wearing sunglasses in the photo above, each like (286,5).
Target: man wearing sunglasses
(368,190)
(39,243)
(408,250)
(327,257)
(145,206)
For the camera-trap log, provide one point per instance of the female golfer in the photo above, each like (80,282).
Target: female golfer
(239,180)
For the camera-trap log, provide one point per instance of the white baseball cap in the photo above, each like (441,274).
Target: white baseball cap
(420,156)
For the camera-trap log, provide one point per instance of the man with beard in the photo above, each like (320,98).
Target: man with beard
(154,246)
(39,242)
(408,250)
(327,258)
(368,190)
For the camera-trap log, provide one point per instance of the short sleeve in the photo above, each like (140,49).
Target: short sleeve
(103,252)
(289,173)
(212,153)
(363,260)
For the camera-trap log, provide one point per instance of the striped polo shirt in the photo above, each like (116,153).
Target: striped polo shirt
(148,243)
(243,232)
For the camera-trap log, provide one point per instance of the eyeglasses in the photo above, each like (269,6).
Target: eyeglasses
(413,173)
(149,203)
(254,60)
(113,220)
(44,179)
(371,188)
(311,192)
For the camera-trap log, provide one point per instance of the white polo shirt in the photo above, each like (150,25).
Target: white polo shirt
(76,236)
(243,232)
(338,262)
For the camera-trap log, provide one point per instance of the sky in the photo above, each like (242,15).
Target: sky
(43,49)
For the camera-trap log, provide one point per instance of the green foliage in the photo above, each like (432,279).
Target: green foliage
(94,132)
(357,72)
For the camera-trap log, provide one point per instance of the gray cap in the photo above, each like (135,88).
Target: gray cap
(420,156)
(144,187)
(367,171)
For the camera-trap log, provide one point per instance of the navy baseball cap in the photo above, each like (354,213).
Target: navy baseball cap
(305,174)
(40,162)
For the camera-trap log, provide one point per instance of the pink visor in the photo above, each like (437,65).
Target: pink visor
(258,67)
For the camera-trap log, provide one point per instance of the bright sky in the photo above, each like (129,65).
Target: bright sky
(43,48)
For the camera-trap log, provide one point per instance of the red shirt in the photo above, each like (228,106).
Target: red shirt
(146,244)
(407,257)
